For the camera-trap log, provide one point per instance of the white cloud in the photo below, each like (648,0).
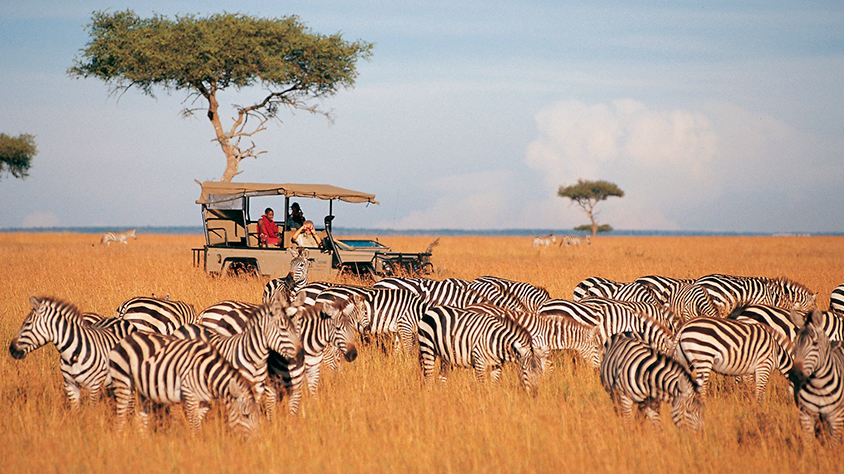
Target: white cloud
(40,219)
(468,201)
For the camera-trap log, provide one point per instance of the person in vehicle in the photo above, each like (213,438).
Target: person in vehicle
(267,229)
(306,236)
(296,218)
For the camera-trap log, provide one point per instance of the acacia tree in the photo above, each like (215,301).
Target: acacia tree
(204,56)
(587,194)
(16,154)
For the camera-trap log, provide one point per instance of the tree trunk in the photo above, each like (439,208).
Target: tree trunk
(232,157)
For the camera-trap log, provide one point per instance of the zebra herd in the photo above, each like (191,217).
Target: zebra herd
(550,240)
(653,340)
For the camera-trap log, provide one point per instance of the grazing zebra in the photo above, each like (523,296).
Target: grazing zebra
(818,376)
(120,237)
(659,313)
(414,285)
(583,314)
(295,280)
(836,300)
(83,349)
(319,325)
(266,328)
(633,292)
(465,339)
(554,333)
(689,301)
(575,240)
(227,318)
(635,374)
(781,322)
(728,292)
(730,347)
(660,286)
(617,317)
(508,293)
(595,286)
(544,241)
(153,314)
(166,370)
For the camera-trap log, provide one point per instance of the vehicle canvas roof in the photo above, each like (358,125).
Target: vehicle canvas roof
(216,192)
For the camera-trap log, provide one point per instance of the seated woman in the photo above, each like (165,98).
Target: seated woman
(267,229)
(306,236)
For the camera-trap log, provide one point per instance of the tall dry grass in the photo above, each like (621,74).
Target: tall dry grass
(375,415)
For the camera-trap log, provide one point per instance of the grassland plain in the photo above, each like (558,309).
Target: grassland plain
(375,415)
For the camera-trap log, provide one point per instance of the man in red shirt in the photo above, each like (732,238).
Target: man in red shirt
(267,229)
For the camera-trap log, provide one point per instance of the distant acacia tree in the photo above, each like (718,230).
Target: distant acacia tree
(204,56)
(16,154)
(587,194)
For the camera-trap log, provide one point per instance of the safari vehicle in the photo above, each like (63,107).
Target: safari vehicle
(231,235)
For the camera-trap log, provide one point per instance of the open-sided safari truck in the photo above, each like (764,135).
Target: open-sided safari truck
(231,235)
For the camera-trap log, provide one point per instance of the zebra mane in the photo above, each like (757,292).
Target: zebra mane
(67,309)
(786,282)
(513,325)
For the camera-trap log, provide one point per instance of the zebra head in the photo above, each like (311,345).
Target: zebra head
(531,362)
(344,327)
(281,332)
(792,295)
(39,328)
(243,411)
(811,346)
(687,405)
(299,266)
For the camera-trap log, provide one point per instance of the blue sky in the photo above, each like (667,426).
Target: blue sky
(716,116)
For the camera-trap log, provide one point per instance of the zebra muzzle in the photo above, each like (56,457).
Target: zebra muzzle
(351,354)
(14,351)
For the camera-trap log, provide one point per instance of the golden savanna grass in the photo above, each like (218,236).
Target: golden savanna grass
(375,415)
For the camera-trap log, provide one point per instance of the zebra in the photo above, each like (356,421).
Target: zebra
(569,240)
(579,312)
(267,327)
(661,287)
(728,292)
(465,339)
(782,324)
(319,325)
(595,286)
(293,281)
(836,300)
(509,293)
(617,318)
(155,314)
(83,348)
(167,370)
(555,333)
(730,347)
(818,376)
(120,237)
(659,313)
(633,373)
(414,285)
(633,292)
(544,241)
(689,301)
(227,317)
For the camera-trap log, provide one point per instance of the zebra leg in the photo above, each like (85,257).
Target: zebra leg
(625,403)
(650,408)
(836,423)
(702,371)
(74,394)
(763,372)
(312,374)
(445,369)
(125,398)
(269,400)
(479,364)
(193,411)
(807,422)
(495,373)
(427,360)
(331,356)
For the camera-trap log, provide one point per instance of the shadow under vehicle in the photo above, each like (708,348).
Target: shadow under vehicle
(232,246)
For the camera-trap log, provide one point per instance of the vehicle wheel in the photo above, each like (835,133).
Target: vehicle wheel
(241,268)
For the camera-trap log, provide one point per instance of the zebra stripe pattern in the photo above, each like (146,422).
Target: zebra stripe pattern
(118,237)
(660,286)
(83,349)
(319,326)
(582,313)
(267,328)
(729,292)
(617,317)
(158,315)
(166,370)
(508,293)
(731,348)
(569,240)
(689,301)
(294,281)
(595,286)
(818,376)
(654,311)
(836,300)
(633,373)
(465,339)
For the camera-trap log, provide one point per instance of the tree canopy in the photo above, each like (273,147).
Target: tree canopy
(203,56)
(16,154)
(587,194)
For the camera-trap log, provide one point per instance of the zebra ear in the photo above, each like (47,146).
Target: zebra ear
(798,319)
(817,319)
(519,349)
(331,309)
(234,389)
(35,302)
